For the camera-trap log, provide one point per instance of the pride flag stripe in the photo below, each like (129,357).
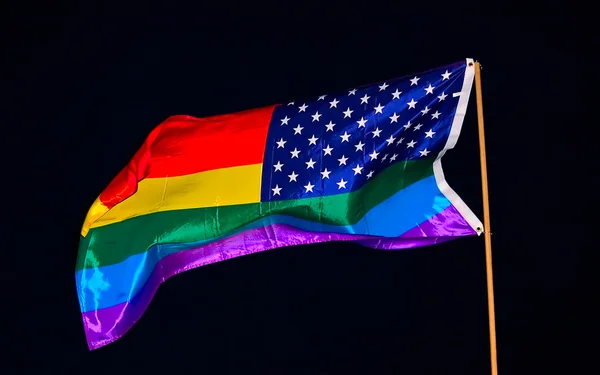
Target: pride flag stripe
(110,244)
(189,145)
(214,188)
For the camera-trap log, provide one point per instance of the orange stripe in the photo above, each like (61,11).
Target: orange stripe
(183,145)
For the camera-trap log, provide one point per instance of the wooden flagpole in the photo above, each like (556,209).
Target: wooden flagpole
(486,222)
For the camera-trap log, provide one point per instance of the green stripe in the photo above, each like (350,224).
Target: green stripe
(113,243)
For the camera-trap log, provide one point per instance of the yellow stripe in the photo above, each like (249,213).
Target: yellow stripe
(96,211)
(219,187)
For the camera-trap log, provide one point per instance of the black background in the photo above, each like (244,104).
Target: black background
(85,84)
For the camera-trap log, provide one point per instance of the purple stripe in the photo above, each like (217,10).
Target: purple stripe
(107,325)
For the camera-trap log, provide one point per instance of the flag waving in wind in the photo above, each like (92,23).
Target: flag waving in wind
(361,165)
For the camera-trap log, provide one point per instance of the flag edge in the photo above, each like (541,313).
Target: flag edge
(457,122)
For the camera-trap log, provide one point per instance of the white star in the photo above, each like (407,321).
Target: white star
(369,175)
(293,176)
(376,132)
(390,140)
(429,134)
(379,108)
(411,144)
(316,116)
(393,157)
(436,115)
(345,137)
(384,157)
(290,103)
(365,99)
(412,104)
(343,160)
(400,141)
(442,97)
(310,164)
(373,155)
(278,166)
(347,112)
(361,122)
(295,153)
(417,127)
(446,75)
(327,150)
(325,174)
(281,143)
(359,146)
(429,89)
(357,170)
(414,81)
(284,121)
(298,129)
(383,87)
(322,97)
(312,140)
(276,190)
(424,152)
(302,108)
(396,94)
(309,187)
(341,184)
(352,92)
(394,118)
(329,126)
(425,110)
(407,125)
(333,103)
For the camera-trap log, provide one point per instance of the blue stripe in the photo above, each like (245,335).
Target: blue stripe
(118,283)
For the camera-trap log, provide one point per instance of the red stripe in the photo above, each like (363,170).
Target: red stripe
(184,145)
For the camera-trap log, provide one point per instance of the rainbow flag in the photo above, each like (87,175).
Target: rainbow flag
(362,165)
